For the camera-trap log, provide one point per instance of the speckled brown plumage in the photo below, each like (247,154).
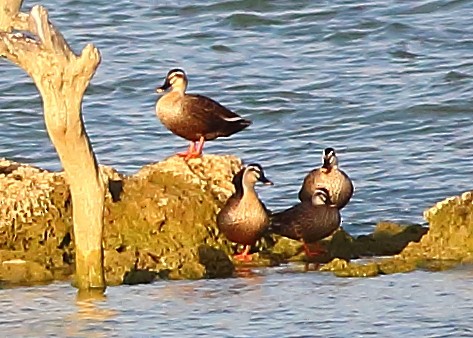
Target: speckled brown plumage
(198,116)
(309,221)
(244,218)
(330,177)
(194,117)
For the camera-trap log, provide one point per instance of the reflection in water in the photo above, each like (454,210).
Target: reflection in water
(89,318)
(275,302)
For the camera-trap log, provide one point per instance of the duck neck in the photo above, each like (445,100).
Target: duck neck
(249,190)
(179,88)
(249,196)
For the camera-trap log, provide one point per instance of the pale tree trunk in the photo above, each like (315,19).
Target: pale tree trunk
(62,78)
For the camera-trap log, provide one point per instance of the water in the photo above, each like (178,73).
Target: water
(271,303)
(386,83)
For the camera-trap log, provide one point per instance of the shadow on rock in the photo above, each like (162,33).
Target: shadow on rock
(216,262)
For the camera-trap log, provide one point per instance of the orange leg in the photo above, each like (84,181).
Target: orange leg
(194,150)
(200,146)
(189,150)
(244,255)
(319,250)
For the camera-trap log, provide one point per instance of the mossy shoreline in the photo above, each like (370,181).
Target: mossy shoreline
(160,223)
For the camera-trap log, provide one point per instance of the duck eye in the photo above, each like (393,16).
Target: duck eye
(255,171)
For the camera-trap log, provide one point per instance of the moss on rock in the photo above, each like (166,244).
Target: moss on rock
(160,220)
(447,243)
(161,223)
(166,217)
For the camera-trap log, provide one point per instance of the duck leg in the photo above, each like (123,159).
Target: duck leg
(200,146)
(194,150)
(319,250)
(244,255)
(189,150)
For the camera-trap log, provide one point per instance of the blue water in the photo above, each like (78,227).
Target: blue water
(386,83)
(271,303)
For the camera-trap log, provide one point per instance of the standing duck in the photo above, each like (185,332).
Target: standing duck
(244,218)
(330,177)
(194,117)
(308,221)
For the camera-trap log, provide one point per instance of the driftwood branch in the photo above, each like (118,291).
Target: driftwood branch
(34,44)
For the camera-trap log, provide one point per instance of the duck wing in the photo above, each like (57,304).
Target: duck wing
(212,116)
(346,191)
(290,222)
(324,221)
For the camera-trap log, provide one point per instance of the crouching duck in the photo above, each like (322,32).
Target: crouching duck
(244,218)
(330,177)
(193,117)
(308,221)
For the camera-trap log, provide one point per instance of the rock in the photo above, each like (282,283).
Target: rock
(450,235)
(447,243)
(21,272)
(160,223)
(166,217)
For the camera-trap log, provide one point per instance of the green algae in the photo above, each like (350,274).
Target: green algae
(160,224)
(447,243)
(168,220)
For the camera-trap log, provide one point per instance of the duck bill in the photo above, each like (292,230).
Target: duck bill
(164,87)
(265,181)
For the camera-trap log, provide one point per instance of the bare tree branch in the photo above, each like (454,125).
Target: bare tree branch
(34,44)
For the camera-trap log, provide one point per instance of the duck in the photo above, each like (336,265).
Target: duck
(308,221)
(244,218)
(194,117)
(330,177)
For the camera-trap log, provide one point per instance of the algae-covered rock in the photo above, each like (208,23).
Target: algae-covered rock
(35,224)
(342,268)
(21,272)
(159,222)
(166,217)
(448,241)
(387,239)
(450,235)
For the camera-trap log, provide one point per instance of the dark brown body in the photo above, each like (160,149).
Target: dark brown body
(337,183)
(193,116)
(306,222)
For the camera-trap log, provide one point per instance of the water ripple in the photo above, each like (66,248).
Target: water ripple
(388,84)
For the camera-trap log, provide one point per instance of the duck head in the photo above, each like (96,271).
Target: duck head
(321,196)
(254,173)
(176,80)
(247,178)
(329,159)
